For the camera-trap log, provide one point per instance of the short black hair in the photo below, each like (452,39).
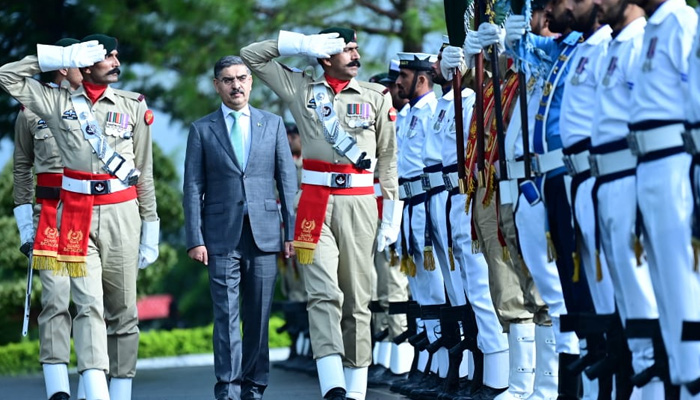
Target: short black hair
(227,61)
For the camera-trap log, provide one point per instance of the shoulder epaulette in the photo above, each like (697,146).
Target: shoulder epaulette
(385,91)
(130,95)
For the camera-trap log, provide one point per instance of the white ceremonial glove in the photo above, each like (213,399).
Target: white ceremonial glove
(489,34)
(77,55)
(315,46)
(388,233)
(472,47)
(148,249)
(516,26)
(24,215)
(452,57)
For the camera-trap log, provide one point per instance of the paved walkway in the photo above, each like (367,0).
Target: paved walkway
(186,377)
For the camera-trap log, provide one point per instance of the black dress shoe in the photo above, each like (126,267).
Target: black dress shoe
(335,394)
(60,396)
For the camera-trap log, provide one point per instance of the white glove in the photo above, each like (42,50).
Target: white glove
(316,46)
(516,26)
(392,210)
(489,34)
(148,249)
(452,57)
(24,215)
(77,55)
(472,47)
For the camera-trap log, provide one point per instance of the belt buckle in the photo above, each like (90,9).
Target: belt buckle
(593,162)
(448,182)
(689,143)
(425,181)
(535,164)
(99,187)
(407,189)
(341,181)
(634,144)
(569,165)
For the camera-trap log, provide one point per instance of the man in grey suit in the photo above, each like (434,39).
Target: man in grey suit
(234,157)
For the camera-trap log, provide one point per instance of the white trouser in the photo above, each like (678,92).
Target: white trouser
(475,275)
(665,201)
(617,215)
(427,287)
(533,244)
(602,291)
(438,220)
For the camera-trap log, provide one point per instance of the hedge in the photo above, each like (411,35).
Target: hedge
(21,358)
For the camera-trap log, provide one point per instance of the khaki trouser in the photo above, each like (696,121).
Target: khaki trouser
(293,280)
(339,282)
(391,287)
(54,319)
(533,303)
(106,298)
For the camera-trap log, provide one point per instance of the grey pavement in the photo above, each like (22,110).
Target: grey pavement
(186,377)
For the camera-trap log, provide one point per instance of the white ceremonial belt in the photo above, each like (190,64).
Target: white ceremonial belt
(431,180)
(516,169)
(549,161)
(410,189)
(377,189)
(691,140)
(451,180)
(94,187)
(611,163)
(336,179)
(651,140)
(508,191)
(577,163)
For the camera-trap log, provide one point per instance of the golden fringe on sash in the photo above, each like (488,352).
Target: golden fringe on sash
(696,249)
(638,250)
(471,189)
(408,267)
(428,259)
(598,267)
(490,185)
(452,258)
(577,267)
(305,256)
(476,248)
(551,251)
(506,253)
(75,269)
(45,263)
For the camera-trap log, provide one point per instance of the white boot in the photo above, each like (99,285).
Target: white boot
(330,373)
(356,381)
(120,388)
(383,354)
(56,379)
(496,369)
(521,341)
(81,387)
(546,365)
(95,385)
(401,358)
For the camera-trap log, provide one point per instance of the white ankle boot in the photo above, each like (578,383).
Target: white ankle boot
(521,379)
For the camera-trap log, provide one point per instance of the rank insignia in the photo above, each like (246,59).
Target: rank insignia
(148,117)
(70,115)
(41,124)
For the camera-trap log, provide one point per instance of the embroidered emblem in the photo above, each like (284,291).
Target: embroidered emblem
(148,117)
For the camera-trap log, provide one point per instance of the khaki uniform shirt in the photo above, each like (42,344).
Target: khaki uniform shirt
(378,139)
(54,106)
(35,147)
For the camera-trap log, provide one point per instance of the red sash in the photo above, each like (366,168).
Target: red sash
(46,240)
(77,218)
(312,207)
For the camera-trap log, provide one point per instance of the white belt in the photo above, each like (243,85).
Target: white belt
(508,191)
(549,161)
(336,180)
(451,180)
(431,180)
(516,169)
(691,139)
(577,163)
(95,187)
(645,142)
(610,163)
(410,189)
(378,189)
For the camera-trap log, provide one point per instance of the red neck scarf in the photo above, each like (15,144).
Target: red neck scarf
(336,84)
(94,91)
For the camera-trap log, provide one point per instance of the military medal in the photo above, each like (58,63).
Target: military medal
(580,68)
(414,121)
(650,55)
(436,127)
(611,69)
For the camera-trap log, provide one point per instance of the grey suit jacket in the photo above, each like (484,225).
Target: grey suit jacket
(215,187)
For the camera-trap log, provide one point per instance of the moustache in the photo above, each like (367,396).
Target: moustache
(115,71)
(355,63)
(235,91)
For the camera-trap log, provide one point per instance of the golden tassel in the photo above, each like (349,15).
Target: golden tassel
(452,258)
(577,267)
(428,259)
(470,196)
(638,250)
(598,267)
(76,269)
(490,186)
(551,250)
(696,249)
(404,265)
(305,256)
(393,258)
(412,269)
(506,253)
(44,263)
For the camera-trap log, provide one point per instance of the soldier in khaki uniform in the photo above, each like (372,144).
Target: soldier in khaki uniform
(102,215)
(347,131)
(35,147)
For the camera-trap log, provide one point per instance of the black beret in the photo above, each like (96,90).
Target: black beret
(65,42)
(379,78)
(539,4)
(346,33)
(110,43)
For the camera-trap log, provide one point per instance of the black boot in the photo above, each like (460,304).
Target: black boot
(60,396)
(335,394)
(569,382)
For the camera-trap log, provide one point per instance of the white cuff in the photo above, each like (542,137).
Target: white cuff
(50,57)
(150,236)
(24,216)
(289,43)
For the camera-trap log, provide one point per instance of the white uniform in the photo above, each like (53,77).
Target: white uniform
(663,185)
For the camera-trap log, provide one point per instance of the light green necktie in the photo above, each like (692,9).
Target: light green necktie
(237,136)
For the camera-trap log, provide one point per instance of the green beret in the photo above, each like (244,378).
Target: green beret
(65,42)
(348,34)
(109,42)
